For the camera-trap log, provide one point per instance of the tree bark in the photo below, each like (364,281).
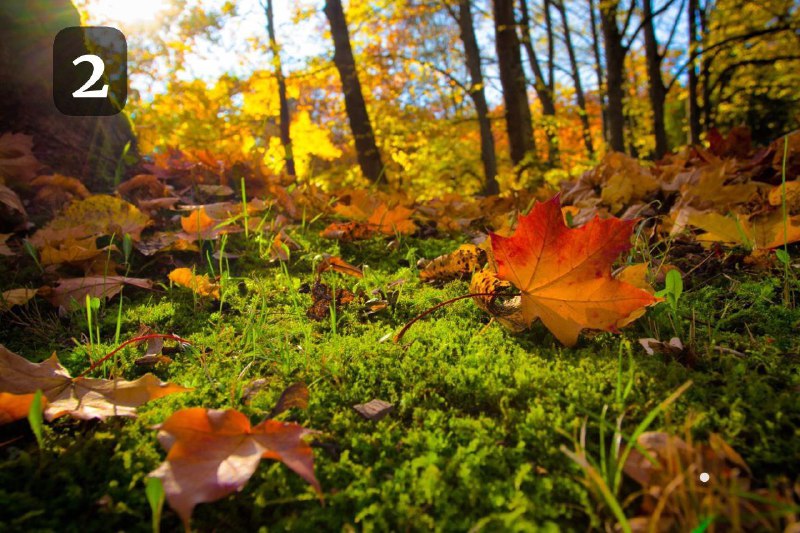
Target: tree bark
(694,108)
(285,119)
(478,95)
(656,89)
(598,68)
(369,158)
(576,76)
(512,78)
(543,87)
(615,72)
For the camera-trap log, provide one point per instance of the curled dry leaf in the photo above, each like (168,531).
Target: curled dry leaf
(507,311)
(17,162)
(295,395)
(201,285)
(565,274)
(374,410)
(57,190)
(337,264)
(459,264)
(323,297)
(16,406)
(83,398)
(213,453)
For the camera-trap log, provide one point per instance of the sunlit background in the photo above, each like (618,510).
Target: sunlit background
(237,47)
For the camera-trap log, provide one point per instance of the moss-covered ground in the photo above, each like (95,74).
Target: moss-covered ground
(479,413)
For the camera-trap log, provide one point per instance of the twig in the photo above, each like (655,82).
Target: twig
(132,341)
(442,304)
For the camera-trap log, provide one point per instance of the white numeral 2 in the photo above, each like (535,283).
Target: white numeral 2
(98,68)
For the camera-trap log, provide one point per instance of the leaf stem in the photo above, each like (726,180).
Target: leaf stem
(132,341)
(442,304)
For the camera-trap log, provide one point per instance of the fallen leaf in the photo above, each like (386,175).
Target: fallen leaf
(95,216)
(295,395)
(200,284)
(506,310)
(459,264)
(13,297)
(348,231)
(57,190)
(74,290)
(143,187)
(374,410)
(775,196)
(758,232)
(339,265)
(323,297)
(83,398)
(565,274)
(70,251)
(673,350)
(10,199)
(16,406)
(4,248)
(17,162)
(213,453)
(642,274)
(198,223)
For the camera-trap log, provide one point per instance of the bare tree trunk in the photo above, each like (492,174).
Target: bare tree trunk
(656,89)
(369,158)
(512,78)
(576,76)
(694,108)
(598,68)
(285,119)
(543,87)
(476,92)
(615,69)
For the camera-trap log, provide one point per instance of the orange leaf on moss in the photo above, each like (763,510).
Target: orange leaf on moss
(565,274)
(213,453)
(201,285)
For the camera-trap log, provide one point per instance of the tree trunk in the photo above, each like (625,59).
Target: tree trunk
(285,119)
(694,108)
(512,78)
(369,158)
(598,68)
(542,86)
(656,89)
(95,149)
(478,95)
(576,76)
(615,71)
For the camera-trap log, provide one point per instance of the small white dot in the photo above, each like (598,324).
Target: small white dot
(704,477)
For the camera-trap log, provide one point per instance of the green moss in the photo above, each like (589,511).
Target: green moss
(479,414)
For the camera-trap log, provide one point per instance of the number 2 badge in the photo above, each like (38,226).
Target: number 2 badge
(90,72)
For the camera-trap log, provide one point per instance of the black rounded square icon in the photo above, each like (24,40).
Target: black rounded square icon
(90,71)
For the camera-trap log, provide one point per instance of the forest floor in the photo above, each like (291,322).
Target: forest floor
(288,309)
(479,417)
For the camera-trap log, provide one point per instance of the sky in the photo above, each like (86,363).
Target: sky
(232,54)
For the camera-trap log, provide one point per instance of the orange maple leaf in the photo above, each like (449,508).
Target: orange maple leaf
(213,453)
(565,274)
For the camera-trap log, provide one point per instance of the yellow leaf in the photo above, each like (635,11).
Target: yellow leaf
(201,285)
